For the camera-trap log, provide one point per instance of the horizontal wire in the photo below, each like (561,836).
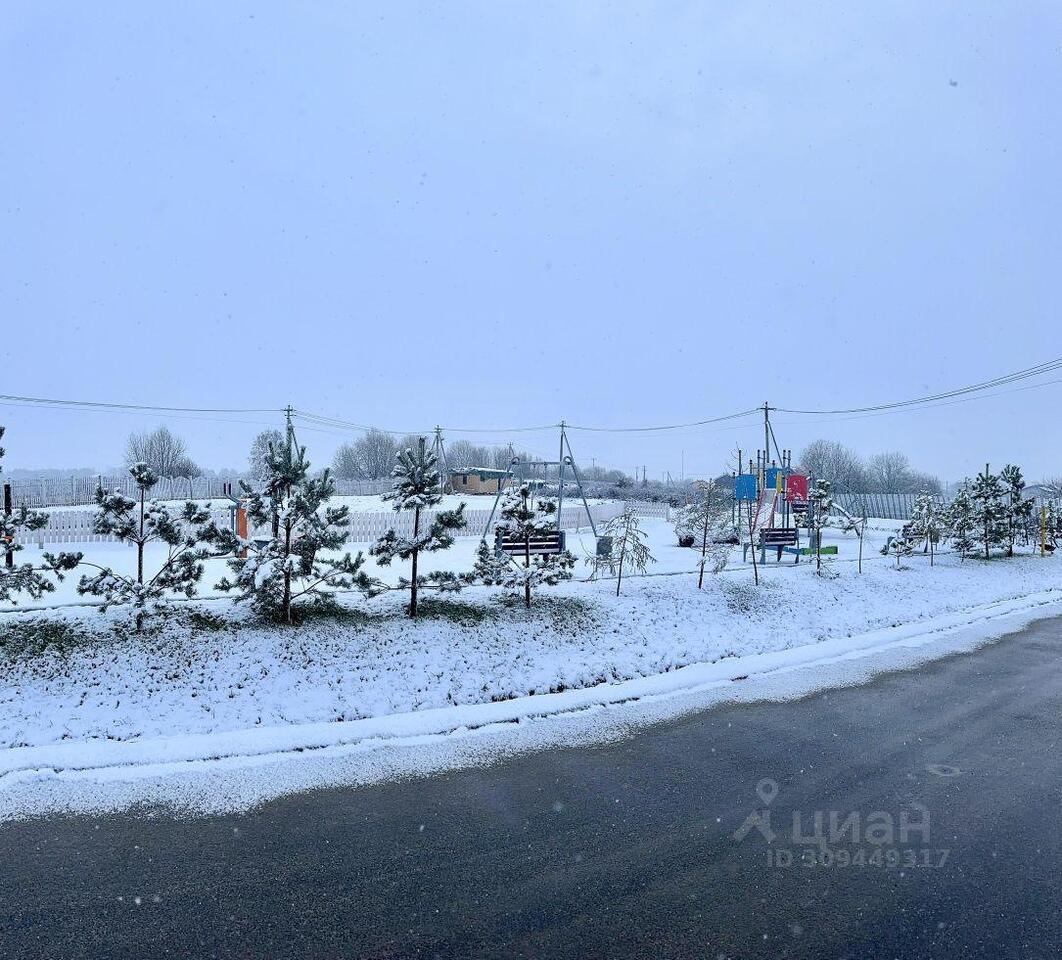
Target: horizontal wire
(928,406)
(103,405)
(140,413)
(326,424)
(1047,367)
(672,426)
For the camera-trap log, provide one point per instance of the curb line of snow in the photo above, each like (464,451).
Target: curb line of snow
(121,761)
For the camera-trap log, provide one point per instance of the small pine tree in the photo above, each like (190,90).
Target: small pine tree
(858,526)
(628,547)
(990,511)
(927,523)
(522,520)
(140,522)
(959,521)
(899,547)
(820,503)
(1019,508)
(25,577)
(706,522)
(285,571)
(1051,526)
(417,486)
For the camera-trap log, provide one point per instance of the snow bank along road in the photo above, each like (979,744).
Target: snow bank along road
(625,849)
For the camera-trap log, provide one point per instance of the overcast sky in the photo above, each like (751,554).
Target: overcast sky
(499,215)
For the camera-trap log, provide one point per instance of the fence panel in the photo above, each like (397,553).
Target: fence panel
(884,506)
(77,526)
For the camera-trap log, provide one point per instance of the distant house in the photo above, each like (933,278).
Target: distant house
(1043,492)
(477,480)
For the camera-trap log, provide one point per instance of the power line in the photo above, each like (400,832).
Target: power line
(927,406)
(1047,367)
(147,408)
(350,424)
(335,422)
(133,413)
(326,424)
(669,426)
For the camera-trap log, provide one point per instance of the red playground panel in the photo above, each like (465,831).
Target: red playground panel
(796,488)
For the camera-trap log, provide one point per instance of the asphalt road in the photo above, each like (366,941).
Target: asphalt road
(627,849)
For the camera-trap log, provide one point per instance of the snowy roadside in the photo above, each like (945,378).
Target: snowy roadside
(216,773)
(113,708)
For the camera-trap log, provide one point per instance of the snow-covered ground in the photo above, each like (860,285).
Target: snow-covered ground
(670,558)
(376,662)
(195,685)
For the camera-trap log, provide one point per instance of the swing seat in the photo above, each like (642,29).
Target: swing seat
(550,542)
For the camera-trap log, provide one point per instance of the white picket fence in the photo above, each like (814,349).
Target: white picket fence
(76,526)
(38,492)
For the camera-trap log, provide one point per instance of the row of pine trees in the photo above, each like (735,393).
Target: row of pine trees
(988,514)
(299,566)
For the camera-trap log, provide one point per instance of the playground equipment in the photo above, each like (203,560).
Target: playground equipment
(769,497)
(555,541)
(766,495)
(237,516)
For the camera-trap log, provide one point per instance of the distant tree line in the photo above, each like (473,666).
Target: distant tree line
(888,472)
(372,457)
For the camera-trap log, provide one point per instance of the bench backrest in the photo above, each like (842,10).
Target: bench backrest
(779,536)
(552,541)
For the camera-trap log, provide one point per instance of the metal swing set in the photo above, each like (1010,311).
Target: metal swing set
(552,541)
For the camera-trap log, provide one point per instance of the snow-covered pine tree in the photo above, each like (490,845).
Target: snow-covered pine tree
(959,519)
(279,574)
(706,523)
(820,503)
(629,549)
(1048,526)
(523,519)
(140,522)
(417,486)
(1019,508)
(989,511)
(927,522)
(899,546)
(25,577)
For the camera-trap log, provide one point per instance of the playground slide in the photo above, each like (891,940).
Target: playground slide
(765,511)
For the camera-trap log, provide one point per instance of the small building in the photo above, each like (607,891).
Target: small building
(477,480)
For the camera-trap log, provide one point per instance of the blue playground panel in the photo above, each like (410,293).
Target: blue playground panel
(772,477)
(745,486)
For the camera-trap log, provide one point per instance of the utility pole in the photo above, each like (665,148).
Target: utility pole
(289,437)
(289,431)
(440,459)
(560,476)
(766,438)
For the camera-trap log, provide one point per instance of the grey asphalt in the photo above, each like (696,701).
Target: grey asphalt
(622,850)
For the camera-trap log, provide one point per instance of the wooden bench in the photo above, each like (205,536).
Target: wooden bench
(777,538)
(552,541)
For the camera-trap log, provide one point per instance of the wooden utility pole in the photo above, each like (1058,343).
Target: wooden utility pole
(766,438)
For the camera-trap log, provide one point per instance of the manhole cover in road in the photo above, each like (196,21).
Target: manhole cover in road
(943,770)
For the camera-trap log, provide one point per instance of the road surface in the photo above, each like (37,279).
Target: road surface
(623,850)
